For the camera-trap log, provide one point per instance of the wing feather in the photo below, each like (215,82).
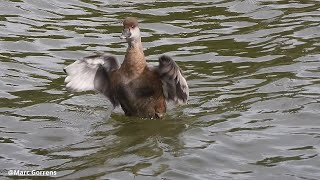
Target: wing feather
(92,73)
(174,84)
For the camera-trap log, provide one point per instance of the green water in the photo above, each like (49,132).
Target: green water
(253,67)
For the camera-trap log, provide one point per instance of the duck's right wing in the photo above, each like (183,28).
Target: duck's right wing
(92,73)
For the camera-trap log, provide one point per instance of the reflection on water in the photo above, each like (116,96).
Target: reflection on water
(122,144)
(253,70)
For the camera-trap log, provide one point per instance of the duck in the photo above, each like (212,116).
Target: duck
(140,89)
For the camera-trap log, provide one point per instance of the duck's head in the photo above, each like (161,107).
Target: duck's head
(131,31)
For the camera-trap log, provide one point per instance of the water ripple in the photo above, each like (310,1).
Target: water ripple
(252,67)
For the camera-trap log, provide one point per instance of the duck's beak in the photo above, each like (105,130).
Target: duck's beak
(125,34)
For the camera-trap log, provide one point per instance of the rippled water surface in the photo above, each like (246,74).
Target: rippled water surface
(253,67)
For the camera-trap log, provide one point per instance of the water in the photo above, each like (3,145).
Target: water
(252,67)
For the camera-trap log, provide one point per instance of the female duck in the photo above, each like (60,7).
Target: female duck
(140,90)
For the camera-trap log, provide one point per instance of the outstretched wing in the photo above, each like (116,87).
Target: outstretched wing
(92,73)
(175,87)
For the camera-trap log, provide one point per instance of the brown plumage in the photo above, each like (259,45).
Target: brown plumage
(130,22)
(140,90)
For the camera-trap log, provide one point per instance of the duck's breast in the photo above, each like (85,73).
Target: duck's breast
(141,95)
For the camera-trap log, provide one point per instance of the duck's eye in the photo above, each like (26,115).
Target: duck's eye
(132,26)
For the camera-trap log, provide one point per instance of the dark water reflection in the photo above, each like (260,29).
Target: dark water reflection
(253,70)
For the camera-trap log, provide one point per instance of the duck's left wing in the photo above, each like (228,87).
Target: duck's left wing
(92,73)
(174,84)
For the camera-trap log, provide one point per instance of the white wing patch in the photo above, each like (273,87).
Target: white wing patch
(184,87)
(93,73)
(81,76)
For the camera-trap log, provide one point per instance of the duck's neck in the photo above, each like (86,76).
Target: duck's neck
(135,43)
(134,62)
